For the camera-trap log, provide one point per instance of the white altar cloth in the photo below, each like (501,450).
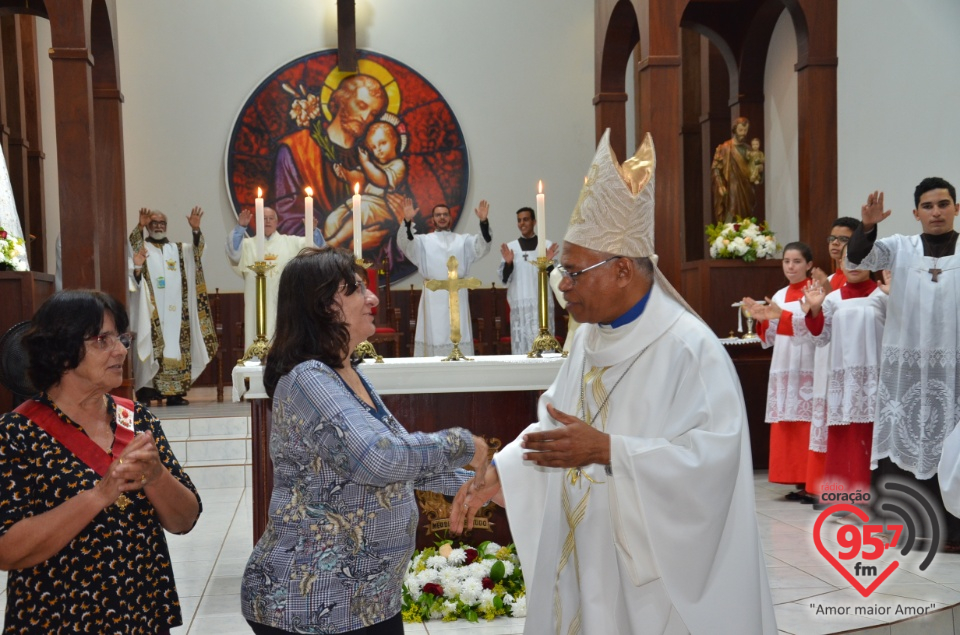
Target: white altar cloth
(412,375)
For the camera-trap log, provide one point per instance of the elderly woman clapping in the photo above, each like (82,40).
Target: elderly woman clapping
(340,530)
(89,484)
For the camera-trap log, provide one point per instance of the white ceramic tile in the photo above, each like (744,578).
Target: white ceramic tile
(219,625)
(223,585)
(216,451)
(213,477)
(176,429)
(211,605)
(220,427)
(938,623)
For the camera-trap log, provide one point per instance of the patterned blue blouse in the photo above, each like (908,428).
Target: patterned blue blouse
(343,515)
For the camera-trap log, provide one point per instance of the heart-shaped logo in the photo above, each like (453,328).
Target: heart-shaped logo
(844,507)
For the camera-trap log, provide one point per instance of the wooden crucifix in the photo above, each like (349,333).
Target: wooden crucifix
(347,35)
(934,273)
(452,285)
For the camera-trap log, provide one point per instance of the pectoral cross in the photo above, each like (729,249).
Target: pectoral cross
(452,285)
(934,273)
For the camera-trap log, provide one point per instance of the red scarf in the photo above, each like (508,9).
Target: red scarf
(75,440)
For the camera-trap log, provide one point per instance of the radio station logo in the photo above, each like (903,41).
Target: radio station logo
(867,549)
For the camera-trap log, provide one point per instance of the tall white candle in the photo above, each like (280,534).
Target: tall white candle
(541,223)
(260,236)
(357,226)
(308,217)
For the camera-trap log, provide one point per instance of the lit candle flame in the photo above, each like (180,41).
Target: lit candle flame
(259,193)
(356,187)
(539,187)
(308,190)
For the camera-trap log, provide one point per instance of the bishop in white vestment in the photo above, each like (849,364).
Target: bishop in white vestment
(430,252)
(279,249)
(521,276)
(631,499)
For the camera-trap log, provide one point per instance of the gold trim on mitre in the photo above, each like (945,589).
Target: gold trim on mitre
(615,211)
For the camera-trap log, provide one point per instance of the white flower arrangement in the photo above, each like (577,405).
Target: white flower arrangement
(745,239)
(13,252)
(447,583)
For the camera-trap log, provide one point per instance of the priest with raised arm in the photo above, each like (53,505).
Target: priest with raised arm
(919,385)
(430,252)
(279,249)
(631,499)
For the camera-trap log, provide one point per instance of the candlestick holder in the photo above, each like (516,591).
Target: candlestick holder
(545,341)
(365,348)
(258,350)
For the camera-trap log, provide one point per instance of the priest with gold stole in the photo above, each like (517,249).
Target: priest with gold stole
(631,499)
(176,338)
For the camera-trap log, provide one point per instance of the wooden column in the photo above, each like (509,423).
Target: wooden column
(694,244)
(33,213)
(76,142)
(817,124)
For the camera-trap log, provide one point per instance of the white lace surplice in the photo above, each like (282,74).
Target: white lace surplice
(790,389)
(917,403)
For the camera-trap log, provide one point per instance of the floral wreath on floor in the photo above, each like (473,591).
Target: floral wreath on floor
(744,238)
(447,583)
(13,252)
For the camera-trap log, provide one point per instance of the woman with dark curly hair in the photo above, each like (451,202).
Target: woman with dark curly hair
(342,517)
(89,484)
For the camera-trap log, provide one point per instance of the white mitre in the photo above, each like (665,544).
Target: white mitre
(615,211)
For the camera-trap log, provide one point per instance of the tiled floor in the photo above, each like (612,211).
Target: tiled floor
(807,591)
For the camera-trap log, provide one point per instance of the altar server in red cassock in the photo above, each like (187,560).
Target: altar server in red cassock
(790,388)
(848,324)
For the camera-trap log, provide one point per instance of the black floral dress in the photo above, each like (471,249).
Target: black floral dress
(115,576)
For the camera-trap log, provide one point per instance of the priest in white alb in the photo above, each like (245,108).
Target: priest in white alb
(170,311)
(279,249)
(918,397)
(631,499)
(430,252)
(522,279)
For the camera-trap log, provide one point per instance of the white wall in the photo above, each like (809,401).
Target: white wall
(518,77)
(898,101)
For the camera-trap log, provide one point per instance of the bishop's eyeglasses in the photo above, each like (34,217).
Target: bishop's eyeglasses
(573,275)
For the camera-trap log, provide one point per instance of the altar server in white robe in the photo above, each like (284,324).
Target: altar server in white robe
(847,324)
(521,277)
(170,310)
(631,499)
(279,249)
(917,399)
(430,252)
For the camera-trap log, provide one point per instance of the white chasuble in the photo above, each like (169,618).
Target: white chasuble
(523,297)
(790,388)
(279,249)
(917,400)
(667,542)
(430,252)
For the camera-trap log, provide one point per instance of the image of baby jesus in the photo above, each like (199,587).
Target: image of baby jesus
(755,161)
(383,175)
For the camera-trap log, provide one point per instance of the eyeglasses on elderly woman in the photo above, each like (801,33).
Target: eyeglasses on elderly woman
(106,341)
